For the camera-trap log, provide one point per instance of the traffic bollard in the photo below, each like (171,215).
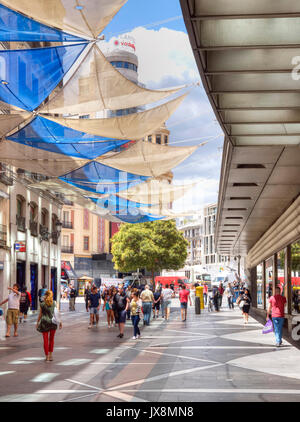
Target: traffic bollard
(197,305)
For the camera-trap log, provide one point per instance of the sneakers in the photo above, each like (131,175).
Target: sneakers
(134,338)
(120,335)
(89,326)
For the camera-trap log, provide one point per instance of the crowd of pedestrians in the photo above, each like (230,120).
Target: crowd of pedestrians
(136,304)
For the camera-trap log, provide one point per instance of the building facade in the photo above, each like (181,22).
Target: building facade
(30,236)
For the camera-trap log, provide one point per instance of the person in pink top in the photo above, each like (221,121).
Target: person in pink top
(205,292)
(184,296)
(276,309)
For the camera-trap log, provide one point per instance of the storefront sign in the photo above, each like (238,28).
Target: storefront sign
(108,282)
(20,246)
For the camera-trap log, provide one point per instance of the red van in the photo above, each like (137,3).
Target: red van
(174,280)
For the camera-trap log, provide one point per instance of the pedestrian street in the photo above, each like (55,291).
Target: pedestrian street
(212,357)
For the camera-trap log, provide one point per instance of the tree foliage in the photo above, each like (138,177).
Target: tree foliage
(154,246)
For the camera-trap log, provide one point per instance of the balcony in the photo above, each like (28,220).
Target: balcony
(44,232)
(21,223)
(33,227)
(3,236)
(6,176)
(67,225)
(67,249)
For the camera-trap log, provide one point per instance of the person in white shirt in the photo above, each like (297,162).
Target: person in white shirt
(167,295)
(12,315)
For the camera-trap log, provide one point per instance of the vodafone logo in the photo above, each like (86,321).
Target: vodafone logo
(124,44)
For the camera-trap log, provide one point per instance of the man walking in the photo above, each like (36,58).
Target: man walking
(12,315)
(276,309)
(72,298)
(94,306)
(205,293)
(215,295)
(221,292)
(229,292)
(147,300)
(184,296)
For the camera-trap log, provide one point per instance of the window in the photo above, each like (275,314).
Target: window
(166,139)
(259,281)
(295,277)
(66,216)
(86,219)
(86,241)
(33,212)
(158,139)
(65,240)
(84,116)
(150,138)
(269,280)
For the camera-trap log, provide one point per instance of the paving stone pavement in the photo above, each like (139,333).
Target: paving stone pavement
(212,357)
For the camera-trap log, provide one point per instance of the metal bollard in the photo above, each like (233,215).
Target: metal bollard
(197,305)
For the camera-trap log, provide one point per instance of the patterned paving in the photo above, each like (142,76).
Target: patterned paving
(210,357)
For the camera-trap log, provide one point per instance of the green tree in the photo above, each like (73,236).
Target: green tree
(154,246)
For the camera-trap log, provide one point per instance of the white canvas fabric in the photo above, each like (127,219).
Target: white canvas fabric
(132,126)
(148,159)
(156,192)
(37,160)
(84,18)
(10,122)
(96,85)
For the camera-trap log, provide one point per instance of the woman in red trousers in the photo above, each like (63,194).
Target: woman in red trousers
(45,325)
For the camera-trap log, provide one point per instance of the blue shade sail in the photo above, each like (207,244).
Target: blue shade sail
(50,136)
(17,27)
(126,211)
(98,178)
(27,77)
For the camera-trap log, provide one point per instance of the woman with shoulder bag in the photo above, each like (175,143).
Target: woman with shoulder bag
(244,302)
(47,323)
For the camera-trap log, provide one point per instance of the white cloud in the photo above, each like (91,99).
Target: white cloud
(166,60)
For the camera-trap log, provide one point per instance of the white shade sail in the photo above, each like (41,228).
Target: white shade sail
(148,159)
(157,192)
(96,85)
(132,126)
(9,122)
(84,18)
(38,160)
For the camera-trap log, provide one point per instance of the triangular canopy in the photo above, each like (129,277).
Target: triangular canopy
(97,85)
(156,192)
(148,159)
(27,77)
(84,18)
(97,178)
(46,135)
(17,27)
(132,126)
(37,160)
(9,122)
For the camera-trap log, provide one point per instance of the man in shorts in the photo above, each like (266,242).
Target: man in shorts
(12,315)
(167,295)
(184,296)
(94,306)
(120,306)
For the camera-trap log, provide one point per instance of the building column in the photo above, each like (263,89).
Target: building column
(264,284)
(287,277)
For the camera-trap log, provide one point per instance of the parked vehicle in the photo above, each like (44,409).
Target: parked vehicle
(172,280)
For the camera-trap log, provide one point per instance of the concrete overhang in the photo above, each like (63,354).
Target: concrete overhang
(246,52)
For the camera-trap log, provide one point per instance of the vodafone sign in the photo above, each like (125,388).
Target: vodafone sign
(125,43)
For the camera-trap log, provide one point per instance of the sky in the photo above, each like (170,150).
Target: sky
(166,60)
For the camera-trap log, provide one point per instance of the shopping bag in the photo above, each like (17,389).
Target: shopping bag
(268,328)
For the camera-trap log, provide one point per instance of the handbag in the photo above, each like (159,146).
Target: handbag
(56,319)
(268,328)
(241,303)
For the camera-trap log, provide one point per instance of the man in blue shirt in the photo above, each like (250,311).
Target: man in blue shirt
(94,306)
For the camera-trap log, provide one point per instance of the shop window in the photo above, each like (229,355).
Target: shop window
(281,280)
(259,282)
(269,280)
(295,277)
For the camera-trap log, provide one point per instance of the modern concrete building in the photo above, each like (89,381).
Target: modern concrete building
(247,57)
